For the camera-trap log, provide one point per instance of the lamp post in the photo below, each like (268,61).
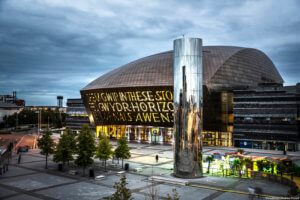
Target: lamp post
(38,126)
(17,120)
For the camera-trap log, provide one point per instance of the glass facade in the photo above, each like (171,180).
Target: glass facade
(139,134)
(266,117)
(211,138)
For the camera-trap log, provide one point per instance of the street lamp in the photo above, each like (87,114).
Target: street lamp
(39,121)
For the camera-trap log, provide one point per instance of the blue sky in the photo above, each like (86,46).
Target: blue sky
(54,47)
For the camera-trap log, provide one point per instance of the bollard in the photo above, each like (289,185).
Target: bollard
(126,166)
(60,167)
(19,159)
(92,173)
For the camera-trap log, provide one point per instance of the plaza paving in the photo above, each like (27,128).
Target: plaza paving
(29,179)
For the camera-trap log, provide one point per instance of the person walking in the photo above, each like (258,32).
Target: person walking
(19,159)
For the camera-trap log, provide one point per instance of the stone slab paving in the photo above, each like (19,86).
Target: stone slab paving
(35,181)
(168,166)
(78,191)
(267,187)
(150,160)
(185,192)
(22,197)
(136,196)
(133,155)
(165,154)
(134,181)
(156,171)
(215,181)
(232,196)
(26,157)
(5,192)
(16,171)
(39,165)
(145,151)
(160,147)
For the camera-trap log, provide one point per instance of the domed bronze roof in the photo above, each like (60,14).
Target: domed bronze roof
(224,66)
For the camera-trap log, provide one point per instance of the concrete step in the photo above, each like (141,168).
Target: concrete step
(172,180)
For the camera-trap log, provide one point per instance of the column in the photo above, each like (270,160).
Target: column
(139,134)
(149,135)
(188,100)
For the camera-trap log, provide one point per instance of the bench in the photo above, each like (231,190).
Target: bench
(138,169)
(100,177)
(73,172)
(120,172)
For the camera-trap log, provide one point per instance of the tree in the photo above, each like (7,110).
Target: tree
(85,148)
(248,164)
(152,193)
(122,193)
(260,165)
(46,144)
(175,195)
(104,150)
(240,151)
(30,117)
(237,164)
(209,159)
(122,151)
(65,148)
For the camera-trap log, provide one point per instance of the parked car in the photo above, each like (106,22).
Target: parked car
(23,149)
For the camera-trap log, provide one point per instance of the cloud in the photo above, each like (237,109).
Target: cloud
(55,47)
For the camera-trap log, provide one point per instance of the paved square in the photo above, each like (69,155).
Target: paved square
(215,181)
(232,196)
(23,197)
(78,191)
(29,180)
(186,193)
(35,181)
(134,181)
(267,187)
(150,160)
(145,151)
(16,171)
(6,192)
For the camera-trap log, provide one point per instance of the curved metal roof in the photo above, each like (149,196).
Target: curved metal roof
(223,65)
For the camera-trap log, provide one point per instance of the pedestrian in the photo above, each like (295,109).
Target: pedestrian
(156,158)
(19,159)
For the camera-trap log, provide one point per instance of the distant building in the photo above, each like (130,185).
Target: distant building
(60,101)
(76,115)
(7,109)
(47,108)
(8,98)
(9,104)
(267,117)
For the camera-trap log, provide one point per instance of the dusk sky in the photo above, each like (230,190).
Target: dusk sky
(56,47)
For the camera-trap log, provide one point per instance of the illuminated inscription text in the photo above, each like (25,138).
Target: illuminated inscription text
(147,106)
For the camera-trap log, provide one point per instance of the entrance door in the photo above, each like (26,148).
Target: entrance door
(154,137)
